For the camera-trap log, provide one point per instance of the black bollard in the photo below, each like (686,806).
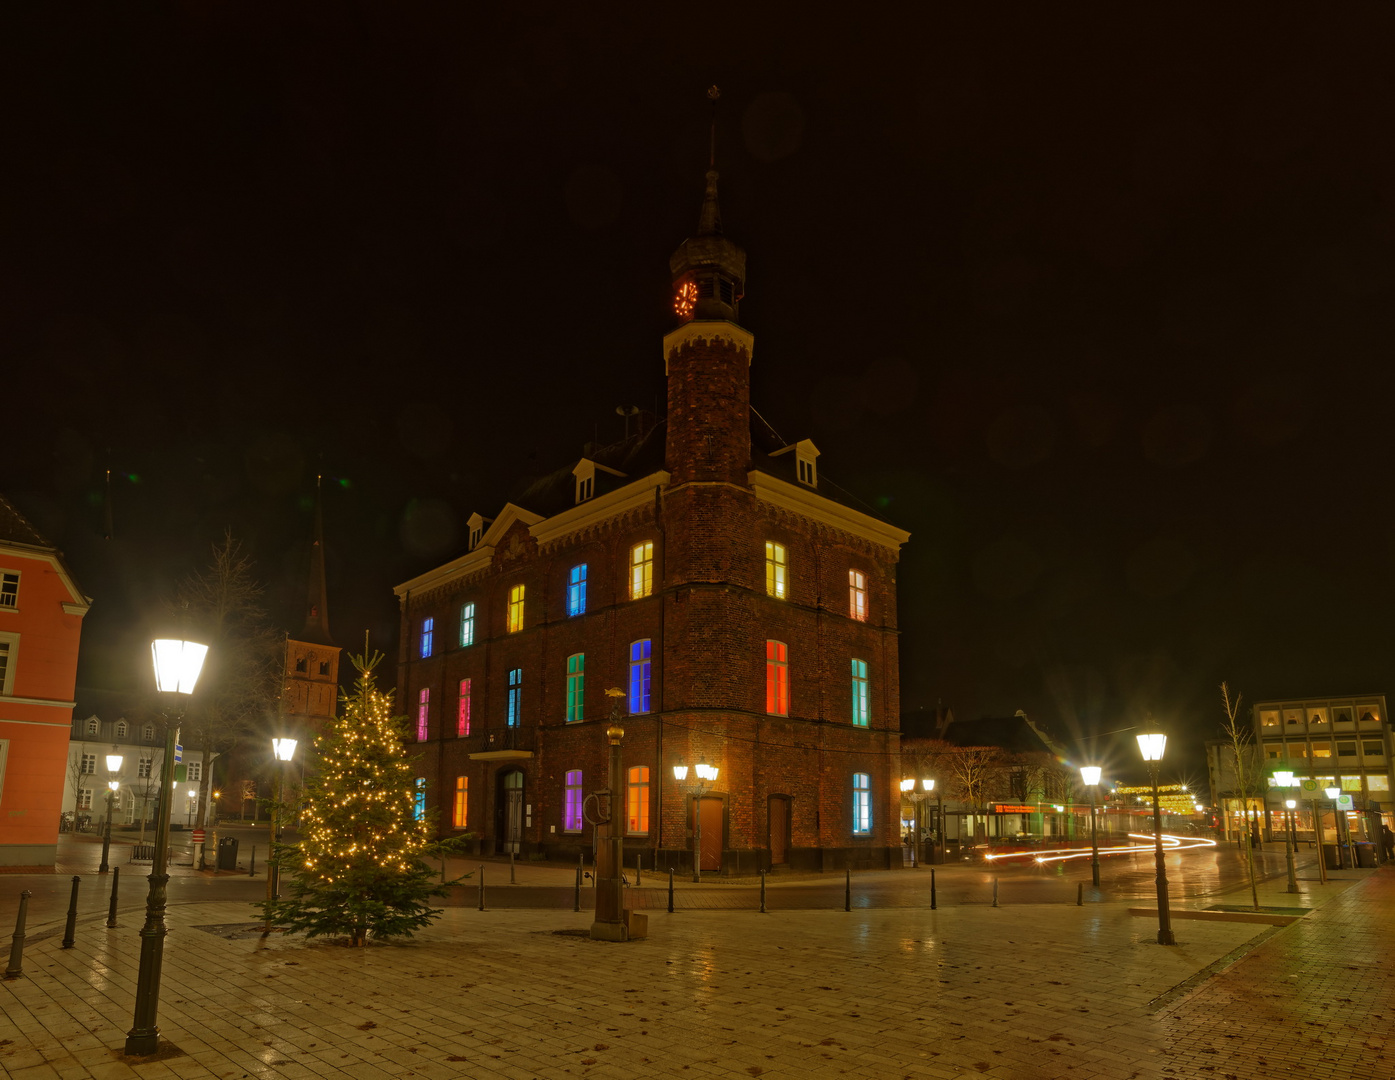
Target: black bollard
(16,968)
(481,886)
(639,868)
(511,880)
(670,890)
(762,892)
(1080,894)
(111,908)
(995,892)
(252,863)
(847,893)
(70,931)
(932,888)
(576,901)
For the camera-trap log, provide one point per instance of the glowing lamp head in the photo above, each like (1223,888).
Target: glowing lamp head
(1090,775)
(283,748)
(680,772)
(907,785)
(1283,778)
(1292,804)
(1152,745)
(114,762)
(706,772)
(927,784)
(1333,791)
(114,785)
(177,665)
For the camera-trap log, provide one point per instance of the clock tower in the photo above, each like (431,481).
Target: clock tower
(707,356)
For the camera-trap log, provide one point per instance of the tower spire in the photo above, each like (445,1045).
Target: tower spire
(708,271)
(316,607)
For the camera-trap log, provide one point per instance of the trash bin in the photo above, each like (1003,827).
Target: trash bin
(227,853)
(1365,853)
(1330,857)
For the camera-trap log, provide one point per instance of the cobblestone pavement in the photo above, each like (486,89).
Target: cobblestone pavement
(1317,1001)
(1027,992)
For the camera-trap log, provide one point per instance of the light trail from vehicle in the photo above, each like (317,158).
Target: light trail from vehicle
(1170,843)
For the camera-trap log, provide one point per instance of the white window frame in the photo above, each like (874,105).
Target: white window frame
(4,573)
(83,770)
(7,680)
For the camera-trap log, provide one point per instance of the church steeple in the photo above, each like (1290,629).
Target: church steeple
(316,629)
(708,271)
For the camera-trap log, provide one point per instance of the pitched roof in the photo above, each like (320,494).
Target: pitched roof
(16,529)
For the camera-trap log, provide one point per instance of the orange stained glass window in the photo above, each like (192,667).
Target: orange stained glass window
(777,684)
(637,800)
(461,814)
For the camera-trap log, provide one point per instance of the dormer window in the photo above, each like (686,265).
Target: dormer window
(806,456)
(477,525)
(585,473)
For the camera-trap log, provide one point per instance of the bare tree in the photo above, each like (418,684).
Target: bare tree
(1242,755)
(240,686)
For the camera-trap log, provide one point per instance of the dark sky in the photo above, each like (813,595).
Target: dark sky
(1098,306)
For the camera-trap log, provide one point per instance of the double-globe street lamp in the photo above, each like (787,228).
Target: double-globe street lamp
(1090,777)
(177,667)
(1335,793)
(706,774)
(113,767)
(1151,746)
(1283,778)
(927,785)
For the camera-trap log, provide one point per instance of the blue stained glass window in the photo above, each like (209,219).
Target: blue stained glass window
(862,804)
(515,696)
(428,627)
(419,799)
(639,677)
(576,590)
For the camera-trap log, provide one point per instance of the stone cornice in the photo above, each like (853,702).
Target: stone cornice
(633,496)
(706,330)
(811,505)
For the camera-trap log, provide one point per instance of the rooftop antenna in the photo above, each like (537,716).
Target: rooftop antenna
(713,93)
(627,411)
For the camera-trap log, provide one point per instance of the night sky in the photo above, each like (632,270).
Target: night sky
(1098,307)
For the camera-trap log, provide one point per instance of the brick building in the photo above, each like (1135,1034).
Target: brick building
(743,604)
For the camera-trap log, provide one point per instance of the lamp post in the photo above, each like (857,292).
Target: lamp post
(113,766)
(1151,746)
(927,785)
(1334,793)
(609,923)
(193,804)
(1291,845)
(1090,777)
(283,749)
(706,774)
(177,667)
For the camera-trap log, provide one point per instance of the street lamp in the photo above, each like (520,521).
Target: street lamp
(113,766)
(1151,746)
(1292,845)
(177,667)
(193,804)
(283,749)
(706,774)
(927,785)
(1334,793)
(1090,777)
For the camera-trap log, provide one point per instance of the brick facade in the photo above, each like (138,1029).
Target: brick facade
(709,509)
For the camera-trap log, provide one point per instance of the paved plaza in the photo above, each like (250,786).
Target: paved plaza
(1022,991)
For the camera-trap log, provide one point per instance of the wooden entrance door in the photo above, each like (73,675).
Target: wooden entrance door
(779,830)
(711,810)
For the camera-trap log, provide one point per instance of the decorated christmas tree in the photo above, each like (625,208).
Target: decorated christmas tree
(359,868)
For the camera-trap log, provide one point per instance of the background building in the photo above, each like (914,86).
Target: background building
(1341,740)
(41,611)
(742,603)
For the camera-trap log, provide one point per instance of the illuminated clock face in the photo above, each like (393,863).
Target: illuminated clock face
(684,299)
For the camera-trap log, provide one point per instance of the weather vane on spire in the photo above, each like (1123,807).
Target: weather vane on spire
(713,93)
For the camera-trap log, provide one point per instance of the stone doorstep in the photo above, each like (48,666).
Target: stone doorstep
(1223,916)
